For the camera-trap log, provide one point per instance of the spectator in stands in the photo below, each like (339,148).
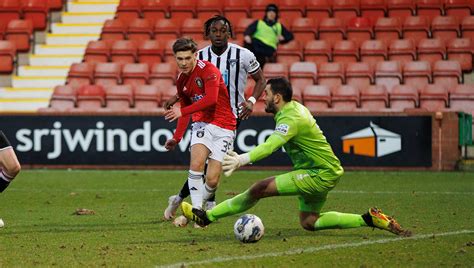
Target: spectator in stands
(316,171)
(263,36)
(203,95)
(9,165)
(225,56)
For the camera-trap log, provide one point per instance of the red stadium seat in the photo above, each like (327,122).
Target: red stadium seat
(140,30)
(445,28)
(80,74)
(345,9)
(417,74)
(460,50)
(55,5)
(304,29)
(10,10)
(461,98)
(359,30)
(107,73)
(402,50)
(373,51)
(373,9)
(403,97)
(182,9)
(235,10)
(318,9)
(150,52)
(166,30)
(388,73)
(209,8)
(431,50)
(37,12)
(317,51)
(192,28)
(163,74)
(154,10)
(290,10)
(97,51)
(401,8)
(124,51)
(135,74)
(290,52)
(257,7)
(128,10)
(20,32)
(429,8)
(7,56)
(147,97)
(374,98)
(331,74)
(119,98)
(317,98)
(467,28)
(63,98)
(457,8)
(114,30)
(90,97)
(416,28)
(447,73)
(272,70)
(345,51)
(167,92)
(303,74)
(332,30)
(434,98)
(240,28)
(388,29)
(345,98)
(359,75)
(168,55)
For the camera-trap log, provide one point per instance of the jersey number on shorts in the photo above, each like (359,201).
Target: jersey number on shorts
(226,147)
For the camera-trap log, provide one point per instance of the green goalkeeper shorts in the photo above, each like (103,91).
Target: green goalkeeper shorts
(310,187)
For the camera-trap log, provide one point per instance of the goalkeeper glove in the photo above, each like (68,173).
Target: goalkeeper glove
(233,161)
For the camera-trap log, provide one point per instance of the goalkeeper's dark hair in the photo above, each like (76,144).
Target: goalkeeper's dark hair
(209,22)
(281,85)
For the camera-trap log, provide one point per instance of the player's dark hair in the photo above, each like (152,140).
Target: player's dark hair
(281,85)
(209,22)
(184,44)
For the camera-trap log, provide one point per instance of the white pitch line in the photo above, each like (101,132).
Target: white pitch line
(314,249)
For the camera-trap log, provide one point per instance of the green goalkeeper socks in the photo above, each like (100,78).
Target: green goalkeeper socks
(235,205)
(337,220)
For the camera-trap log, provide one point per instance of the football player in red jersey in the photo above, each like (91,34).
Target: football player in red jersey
(203,97)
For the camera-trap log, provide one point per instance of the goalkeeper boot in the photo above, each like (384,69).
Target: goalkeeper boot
(173,203)
(189,212)
(375,218)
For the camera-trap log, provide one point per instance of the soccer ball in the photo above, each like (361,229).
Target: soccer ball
(249,228)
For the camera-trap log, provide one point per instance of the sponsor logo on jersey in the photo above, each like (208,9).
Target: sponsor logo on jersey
(233,62)
(196,97)
(282,129)
(199,82)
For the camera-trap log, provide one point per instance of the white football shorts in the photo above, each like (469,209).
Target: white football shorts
(218,140)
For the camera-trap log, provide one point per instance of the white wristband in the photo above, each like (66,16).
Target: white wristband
(252,100)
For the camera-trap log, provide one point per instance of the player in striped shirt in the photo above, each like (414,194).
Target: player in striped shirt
(9,165)
(235,64)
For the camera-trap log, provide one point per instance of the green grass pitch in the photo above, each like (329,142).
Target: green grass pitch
(127,228)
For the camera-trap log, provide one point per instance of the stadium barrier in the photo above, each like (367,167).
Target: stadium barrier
(418,140)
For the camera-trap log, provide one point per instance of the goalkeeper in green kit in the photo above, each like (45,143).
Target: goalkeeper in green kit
(316,171)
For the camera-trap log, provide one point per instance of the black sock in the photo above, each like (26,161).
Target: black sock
(368,219)
(184,190)
(3,185)
(212,198)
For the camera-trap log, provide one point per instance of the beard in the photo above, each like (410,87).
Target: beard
(270,108)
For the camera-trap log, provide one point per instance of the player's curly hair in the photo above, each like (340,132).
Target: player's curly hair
(209,22)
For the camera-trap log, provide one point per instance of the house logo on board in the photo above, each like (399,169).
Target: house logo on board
(372,141)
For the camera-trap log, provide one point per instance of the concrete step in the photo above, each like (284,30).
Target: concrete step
(76,28)
(86,17)
(54,60)
(59,49)
(23,105)
(70,39)
(43,70)
(25,93)
(91,6)
(37,81)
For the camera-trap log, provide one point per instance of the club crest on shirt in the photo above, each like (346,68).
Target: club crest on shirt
(282,128)
(233,62)
(199,82)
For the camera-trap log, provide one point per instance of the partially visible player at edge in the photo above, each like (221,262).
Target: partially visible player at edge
(9,165)
(316,171)
(202,94)
(235,64)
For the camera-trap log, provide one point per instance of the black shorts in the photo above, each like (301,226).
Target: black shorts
(4,141)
